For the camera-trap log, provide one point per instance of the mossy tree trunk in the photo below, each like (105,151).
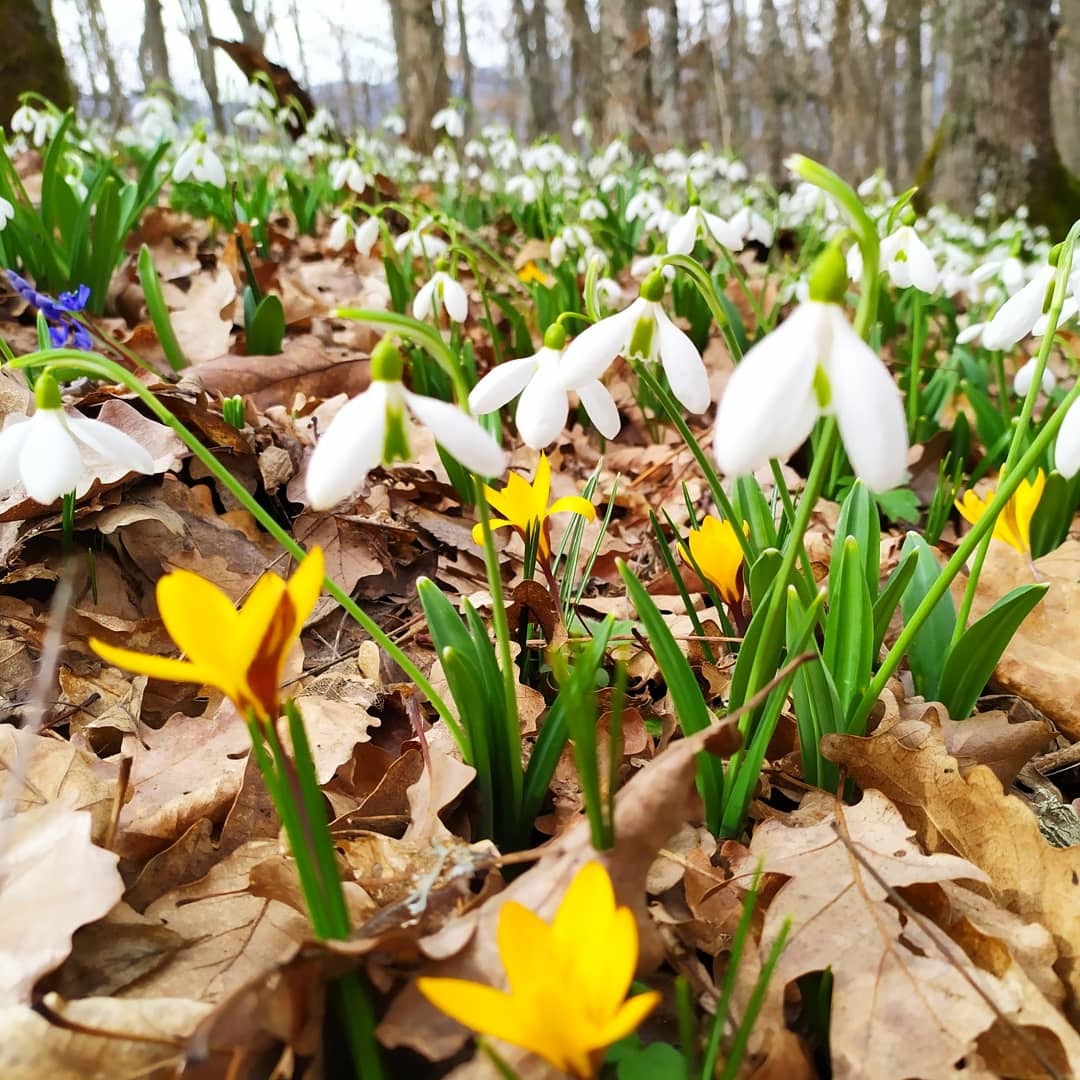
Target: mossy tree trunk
(998,136)
(31,57)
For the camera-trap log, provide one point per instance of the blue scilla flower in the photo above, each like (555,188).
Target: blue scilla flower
(64,332)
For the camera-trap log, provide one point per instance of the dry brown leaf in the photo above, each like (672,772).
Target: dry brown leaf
(109,1039)
(972,816)
(54,881)
(230,936)
(197,315)
(992,739)
(899,1008)
(1042,662)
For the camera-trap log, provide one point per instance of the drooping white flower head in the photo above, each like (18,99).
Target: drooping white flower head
(52,452)
(7,212)
(642,330)
(752,226)
(812,364)
(348,173)
(199,161)
(371,428)
(907,260)
(1016,318)
(449,120)
(366,235)
(543,406)
(1023,377)
(419,242)
(441,290)
(683,234)
(40,125)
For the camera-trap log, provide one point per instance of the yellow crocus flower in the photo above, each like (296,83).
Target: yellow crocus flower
(524,506)
(241,653)
(568,979)
(530,272)
(715,548)
(1014,522)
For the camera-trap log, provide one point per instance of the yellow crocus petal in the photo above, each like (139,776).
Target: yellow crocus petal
(157,667)
(514,501)
(305,586)
(971,507)
(255,615)
(541,485)
(490,1012)
(716,551)
(201,619)
(607,969)
(589,900)
(495,523)
(573,504)
(628,1018)
(525,947)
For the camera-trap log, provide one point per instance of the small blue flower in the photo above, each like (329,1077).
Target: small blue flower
(64,332)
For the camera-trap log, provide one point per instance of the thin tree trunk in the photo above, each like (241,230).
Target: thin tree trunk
(33,59)
(199,32)
(585,72)
(423,83)
(468,74)
(913,89)
(153,52)
(733,74)
(772,72)
(840,91)
(624,37)
(718,91)
(251,32)
(669,67)
(530,30)
(99,33)
(545,71)
(1066,85)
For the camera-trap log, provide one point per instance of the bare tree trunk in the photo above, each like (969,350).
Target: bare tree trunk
(99,33)
(842,157)
(530,30)
(624,37)
(669,67)
(998,133)
(733,75)
(719,93)
(305,71)
(585,72)
(772,75)
(153,52)
(913,90)
(1065,89)
(198,23)
(251,32)
(33,59)
(468,73)
(423,83)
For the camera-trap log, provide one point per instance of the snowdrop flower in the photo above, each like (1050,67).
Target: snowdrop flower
(592,210)
(201,163)
(908,261)
(1022,379)
(642,204)
(449,120)
(813,364)
(1067,447)
(340,232)
(644,265)
(254,119)
(683,234)
(750,225)
(52,453)
(364,237)
(442,290)
(971,332)
(347,173)
(7,212)
(1069,309)
(581,128)
(371,428)
(39,125)
(641,330)
(543,406)
(394,124)
(421,243)
(1016,318)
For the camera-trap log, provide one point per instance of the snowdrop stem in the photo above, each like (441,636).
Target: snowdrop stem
(915,364)
(865,233)
(980,531)
(427,337)
(101,367)
(705,285)
(1023,421)
(674,412)
(589,291)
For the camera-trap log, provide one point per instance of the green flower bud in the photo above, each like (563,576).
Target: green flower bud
(387,363)
(47,392)
(555,337)
(828,276)
(652,288)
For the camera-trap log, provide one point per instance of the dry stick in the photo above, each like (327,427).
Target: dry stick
(944,943)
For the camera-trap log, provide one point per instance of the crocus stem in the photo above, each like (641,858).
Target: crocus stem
(103,368)
(1023,421)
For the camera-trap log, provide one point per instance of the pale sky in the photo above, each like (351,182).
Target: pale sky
(365,22)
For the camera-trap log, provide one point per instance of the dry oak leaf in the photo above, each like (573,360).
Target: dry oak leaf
(197,314)
(972,816)
(108,1039)
(899,1007)
(54,881)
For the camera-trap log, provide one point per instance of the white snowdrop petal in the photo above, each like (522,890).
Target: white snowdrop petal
(683,365)
(922,272)
(722,232)
(970,333)
(455,299)
(11,441)
(421,307)
(502,383)
(349,449)
(366,235)
(768,408)
(1019,314)
(542,411)
(49,462)
(115,446)
(600,406)
(868,408)
(591,353)
(1067,447)
(459,433)
(680,240)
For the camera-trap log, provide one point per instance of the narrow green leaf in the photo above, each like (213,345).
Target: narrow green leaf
(889,597)
(930,648)
(159,310)
(972,661)
(266,328)
(849,638)
(859,518)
